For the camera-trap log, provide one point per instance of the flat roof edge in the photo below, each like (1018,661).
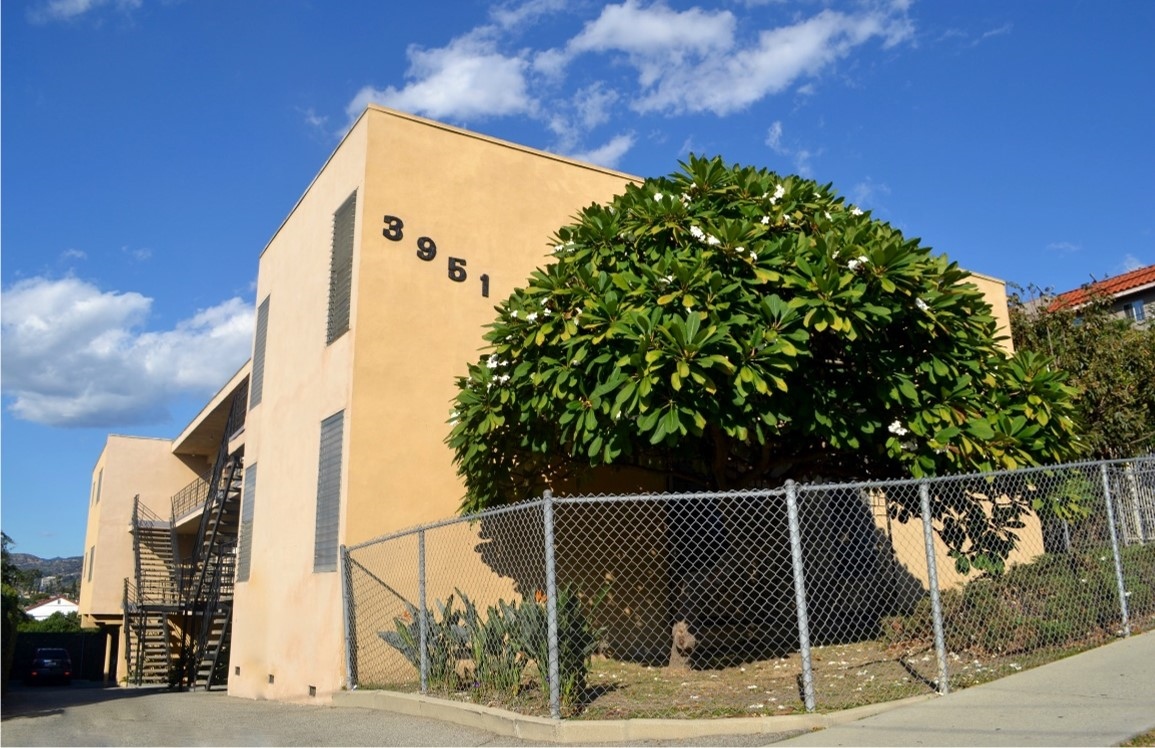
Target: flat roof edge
(214,402)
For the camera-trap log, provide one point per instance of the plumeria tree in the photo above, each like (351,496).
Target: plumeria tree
(733,328)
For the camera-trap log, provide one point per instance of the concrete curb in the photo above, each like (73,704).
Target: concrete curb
(537,729)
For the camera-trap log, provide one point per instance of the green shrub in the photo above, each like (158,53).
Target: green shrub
(1056,600)
(493,651)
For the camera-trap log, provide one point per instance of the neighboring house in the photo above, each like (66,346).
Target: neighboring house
(214,557)
(55,605)
(1132,294)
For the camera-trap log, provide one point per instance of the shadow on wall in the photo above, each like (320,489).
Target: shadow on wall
(717,571)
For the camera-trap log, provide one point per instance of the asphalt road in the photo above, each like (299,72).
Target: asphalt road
(83,714)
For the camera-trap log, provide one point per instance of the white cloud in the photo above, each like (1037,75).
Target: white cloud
(73,254)
(607,155)
(801,157)
(1063,247)
(1131,262)
(696,60)
(68,10)
(516,16)
(74,355)
(727,83)
(467,79)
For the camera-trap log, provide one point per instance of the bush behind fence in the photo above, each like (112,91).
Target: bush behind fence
(751,602)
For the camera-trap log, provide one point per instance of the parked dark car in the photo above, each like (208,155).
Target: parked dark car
(50,665)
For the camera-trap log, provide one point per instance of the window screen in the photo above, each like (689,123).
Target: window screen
(245,542)
(328,493)
(341,268)
(257,379)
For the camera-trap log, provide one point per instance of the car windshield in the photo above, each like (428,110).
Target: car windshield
(52,654)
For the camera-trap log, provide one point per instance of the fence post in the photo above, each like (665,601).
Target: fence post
(1136,505)
(350,629)
(551,608)
(422,614)
(932,582)
(1115,549)
(800,594)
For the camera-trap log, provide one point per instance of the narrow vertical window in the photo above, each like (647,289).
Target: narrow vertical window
(245,541)
(341,268)
(91,560)
(328,493)
(99,480)
(257,378)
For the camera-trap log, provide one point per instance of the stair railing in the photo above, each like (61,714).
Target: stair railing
(199,602)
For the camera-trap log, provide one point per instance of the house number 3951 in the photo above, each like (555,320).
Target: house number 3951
(394,231)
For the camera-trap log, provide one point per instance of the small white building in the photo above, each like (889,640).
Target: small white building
(55,605)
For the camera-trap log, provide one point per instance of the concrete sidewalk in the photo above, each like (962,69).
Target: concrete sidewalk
(1098,698)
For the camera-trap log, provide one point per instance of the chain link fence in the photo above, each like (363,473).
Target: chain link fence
(754,602)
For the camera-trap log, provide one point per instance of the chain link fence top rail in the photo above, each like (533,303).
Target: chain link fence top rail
(750,602)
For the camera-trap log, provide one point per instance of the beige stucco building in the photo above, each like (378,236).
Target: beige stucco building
(372,297)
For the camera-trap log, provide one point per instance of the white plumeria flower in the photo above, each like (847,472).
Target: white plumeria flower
(577,312)
(503,378)
(514,314)
(531,317)
(685,197)
(897,429)
(740,250)
(713,241)
(546,312)
(856,211)
(765,220)
(827,215)
(922,305)
(657,197)
(697,233)
(856,262)
(753,256)
(493,362)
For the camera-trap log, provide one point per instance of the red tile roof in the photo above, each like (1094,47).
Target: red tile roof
(1110,287)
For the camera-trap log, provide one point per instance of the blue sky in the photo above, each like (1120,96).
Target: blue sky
(150,148)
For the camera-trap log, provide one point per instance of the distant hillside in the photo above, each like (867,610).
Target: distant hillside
(68,566)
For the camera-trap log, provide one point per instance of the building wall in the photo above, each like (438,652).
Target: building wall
(489,205)
(128,466)
(995,291)
(493,205)
(286,632)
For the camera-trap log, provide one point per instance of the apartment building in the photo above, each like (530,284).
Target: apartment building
(213,558)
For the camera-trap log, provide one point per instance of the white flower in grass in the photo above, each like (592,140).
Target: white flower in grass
(897,429)
(922,305)
(531,317)
(856,211)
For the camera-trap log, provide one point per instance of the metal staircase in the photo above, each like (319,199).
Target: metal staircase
(207,591)
(150,603)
